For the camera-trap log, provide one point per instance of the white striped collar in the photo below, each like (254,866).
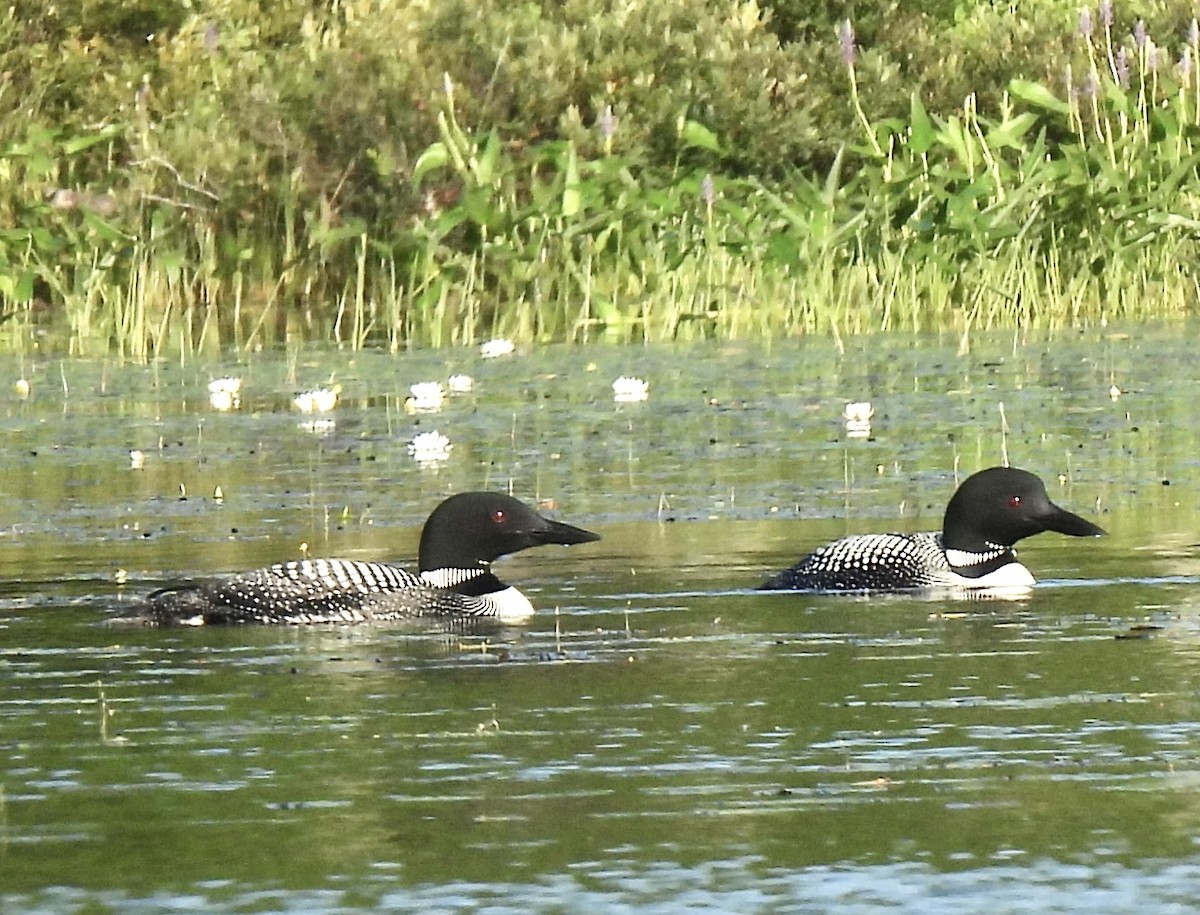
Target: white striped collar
(450,578)
(960,559)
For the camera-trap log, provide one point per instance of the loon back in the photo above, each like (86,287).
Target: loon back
(323,591)
(891,562)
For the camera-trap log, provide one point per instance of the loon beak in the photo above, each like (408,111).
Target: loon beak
(558,532)
(1069,523)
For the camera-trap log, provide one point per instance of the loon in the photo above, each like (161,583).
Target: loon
(459,541)
(989,512)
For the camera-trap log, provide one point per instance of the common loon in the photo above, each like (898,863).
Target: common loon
(461,538)
(989,512)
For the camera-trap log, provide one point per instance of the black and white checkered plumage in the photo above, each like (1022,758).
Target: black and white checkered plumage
(990,512)
(460,540)
(881,562)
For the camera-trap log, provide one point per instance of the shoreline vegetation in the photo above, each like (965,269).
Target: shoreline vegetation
(186,178)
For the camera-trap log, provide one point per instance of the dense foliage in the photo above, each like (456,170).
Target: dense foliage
(234,172)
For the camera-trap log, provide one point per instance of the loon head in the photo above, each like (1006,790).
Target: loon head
(1001,505)
(471,529)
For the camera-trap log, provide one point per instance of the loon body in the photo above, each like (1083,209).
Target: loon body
(461,538)
(989,512)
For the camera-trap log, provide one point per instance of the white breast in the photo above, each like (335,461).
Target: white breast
(1010,576)
(511,605)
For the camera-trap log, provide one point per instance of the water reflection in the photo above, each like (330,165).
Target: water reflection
(660,735)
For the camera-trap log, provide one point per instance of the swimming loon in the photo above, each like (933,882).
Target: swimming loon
(989,512)
(461,538)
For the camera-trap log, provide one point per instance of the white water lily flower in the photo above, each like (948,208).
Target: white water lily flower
(225,394)
(223,401)
(425,397)
(21,388)
(137,460)
(461,384)
(1114,392)
(858,419)
(497,347)
(630,390)
(318,400)
(430,448)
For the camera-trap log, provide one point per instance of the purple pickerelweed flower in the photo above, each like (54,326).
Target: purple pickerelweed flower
(608,123)
(846,40)
(1121,65)
(1194,33)
(1106,13)
(1085,23)
(1151,55)
(212,38)
(1069,83)
(1185,64)
(708,191)
(1139,34)
(1088,89)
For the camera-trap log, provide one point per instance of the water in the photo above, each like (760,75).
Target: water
(660,736)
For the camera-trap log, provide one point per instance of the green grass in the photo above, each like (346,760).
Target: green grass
(197,215)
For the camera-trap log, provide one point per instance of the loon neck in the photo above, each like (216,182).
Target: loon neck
(503,602)
(475,582)
(977,564)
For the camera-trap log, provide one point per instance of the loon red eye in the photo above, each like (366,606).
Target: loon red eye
(1014,501)
(498,515)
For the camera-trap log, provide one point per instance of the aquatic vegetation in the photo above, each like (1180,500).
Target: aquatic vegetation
(225,394)
(318,400)
(857,417)
(787,176)
(430,448)
(425,397)
(630,390)
(460,384)
(496,347)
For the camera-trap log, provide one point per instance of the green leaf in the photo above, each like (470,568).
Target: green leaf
(331,237)
(782,250)
(1011,131)
(833,180)
(79,144)
(384,160)
(572,199)
(480,207)
(23,290)
(1037,95)
(696,134)
(954,136)
(434,157)
(921,132)
(485,168)
(1118,99)
(103,228)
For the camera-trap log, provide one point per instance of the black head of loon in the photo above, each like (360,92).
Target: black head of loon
(985,517)
(1001,505)
(473,529)
(459,541)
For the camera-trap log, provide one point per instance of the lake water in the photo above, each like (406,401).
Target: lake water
(660,736)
